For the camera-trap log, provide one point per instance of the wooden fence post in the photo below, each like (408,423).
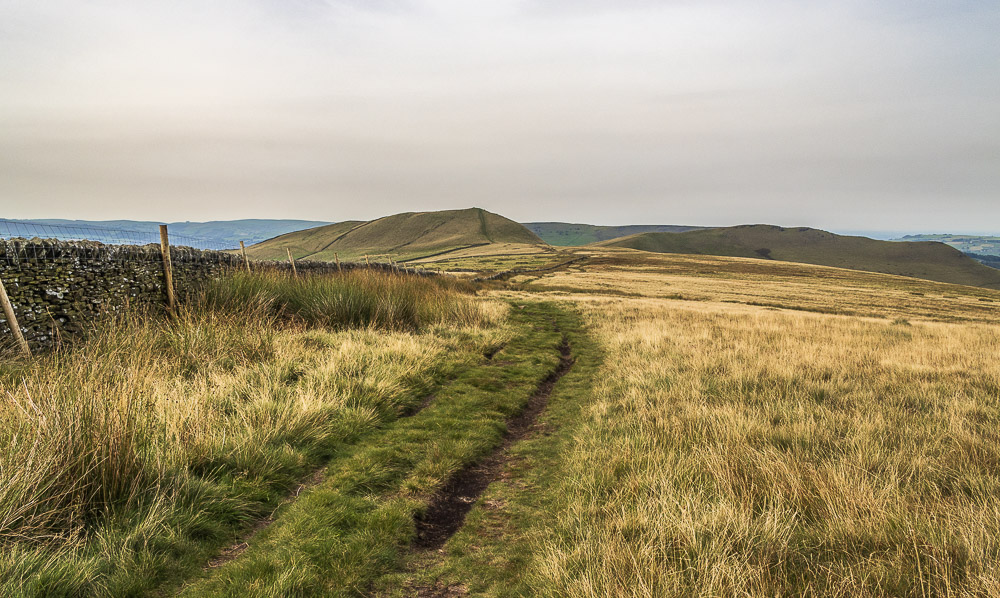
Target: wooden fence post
(168,271)
(246,260)
(336,256)
(291,261)
(367,263)
(8,312)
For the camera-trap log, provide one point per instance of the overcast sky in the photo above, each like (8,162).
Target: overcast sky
(844,115)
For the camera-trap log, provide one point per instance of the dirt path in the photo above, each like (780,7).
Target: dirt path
(447,512)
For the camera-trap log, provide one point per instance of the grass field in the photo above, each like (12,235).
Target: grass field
(718,447)
(706,426)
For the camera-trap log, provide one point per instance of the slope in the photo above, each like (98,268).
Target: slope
(927,260)
(407,236)
(565,234)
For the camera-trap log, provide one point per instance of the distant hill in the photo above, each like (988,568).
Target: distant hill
(407,236)
(965,243)
(927,260)
(218,234)
(564,234)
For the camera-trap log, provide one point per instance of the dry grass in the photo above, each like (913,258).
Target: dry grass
(154,440)
(494,257)
(740,450)
(781,285)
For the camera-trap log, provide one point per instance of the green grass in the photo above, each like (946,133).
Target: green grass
(492,554)
(355,526)
(127,460)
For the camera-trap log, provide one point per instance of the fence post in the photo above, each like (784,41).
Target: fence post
(336,256)
(291,261)
(367,263)
(8,312)
(168,272)
(246,260)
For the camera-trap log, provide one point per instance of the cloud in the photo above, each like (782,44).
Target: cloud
(835,114)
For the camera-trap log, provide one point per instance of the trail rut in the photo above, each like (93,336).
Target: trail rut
(447,512)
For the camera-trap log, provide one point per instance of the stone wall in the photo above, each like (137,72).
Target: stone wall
(57,287)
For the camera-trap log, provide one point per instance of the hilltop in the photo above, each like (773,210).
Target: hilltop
(404,237)
(927,260)
(565,234)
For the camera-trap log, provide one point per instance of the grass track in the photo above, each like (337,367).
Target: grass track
(490,554)
(356,525)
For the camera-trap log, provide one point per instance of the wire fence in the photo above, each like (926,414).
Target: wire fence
(32,239)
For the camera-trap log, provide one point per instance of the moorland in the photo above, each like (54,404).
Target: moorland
(586,421)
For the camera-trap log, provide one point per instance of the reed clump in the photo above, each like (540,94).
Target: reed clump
(357,298)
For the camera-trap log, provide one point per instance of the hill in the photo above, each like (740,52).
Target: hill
(927,260)
(215,234)
(407,236)
(965,243)
(564,234)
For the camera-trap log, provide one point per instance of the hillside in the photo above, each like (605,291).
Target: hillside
(407,236)
(927,260)
(564,234)
(215,234)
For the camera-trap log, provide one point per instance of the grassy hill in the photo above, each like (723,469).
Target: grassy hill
(407,236)
(927,260)
(564,234)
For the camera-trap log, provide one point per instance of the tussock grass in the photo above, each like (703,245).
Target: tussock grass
(356,298)
(745,452)
(749,444)
(127,458)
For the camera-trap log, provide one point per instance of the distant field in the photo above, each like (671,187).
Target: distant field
(965,243)
(993,261)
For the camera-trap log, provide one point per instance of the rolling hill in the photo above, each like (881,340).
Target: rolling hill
(407,236)
(927,260)
(564,234)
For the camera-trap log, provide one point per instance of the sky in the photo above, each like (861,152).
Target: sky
(843,115)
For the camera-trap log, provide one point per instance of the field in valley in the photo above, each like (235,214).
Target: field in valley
(676,425)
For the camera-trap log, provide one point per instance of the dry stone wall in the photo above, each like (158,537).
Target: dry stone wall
(58,287)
